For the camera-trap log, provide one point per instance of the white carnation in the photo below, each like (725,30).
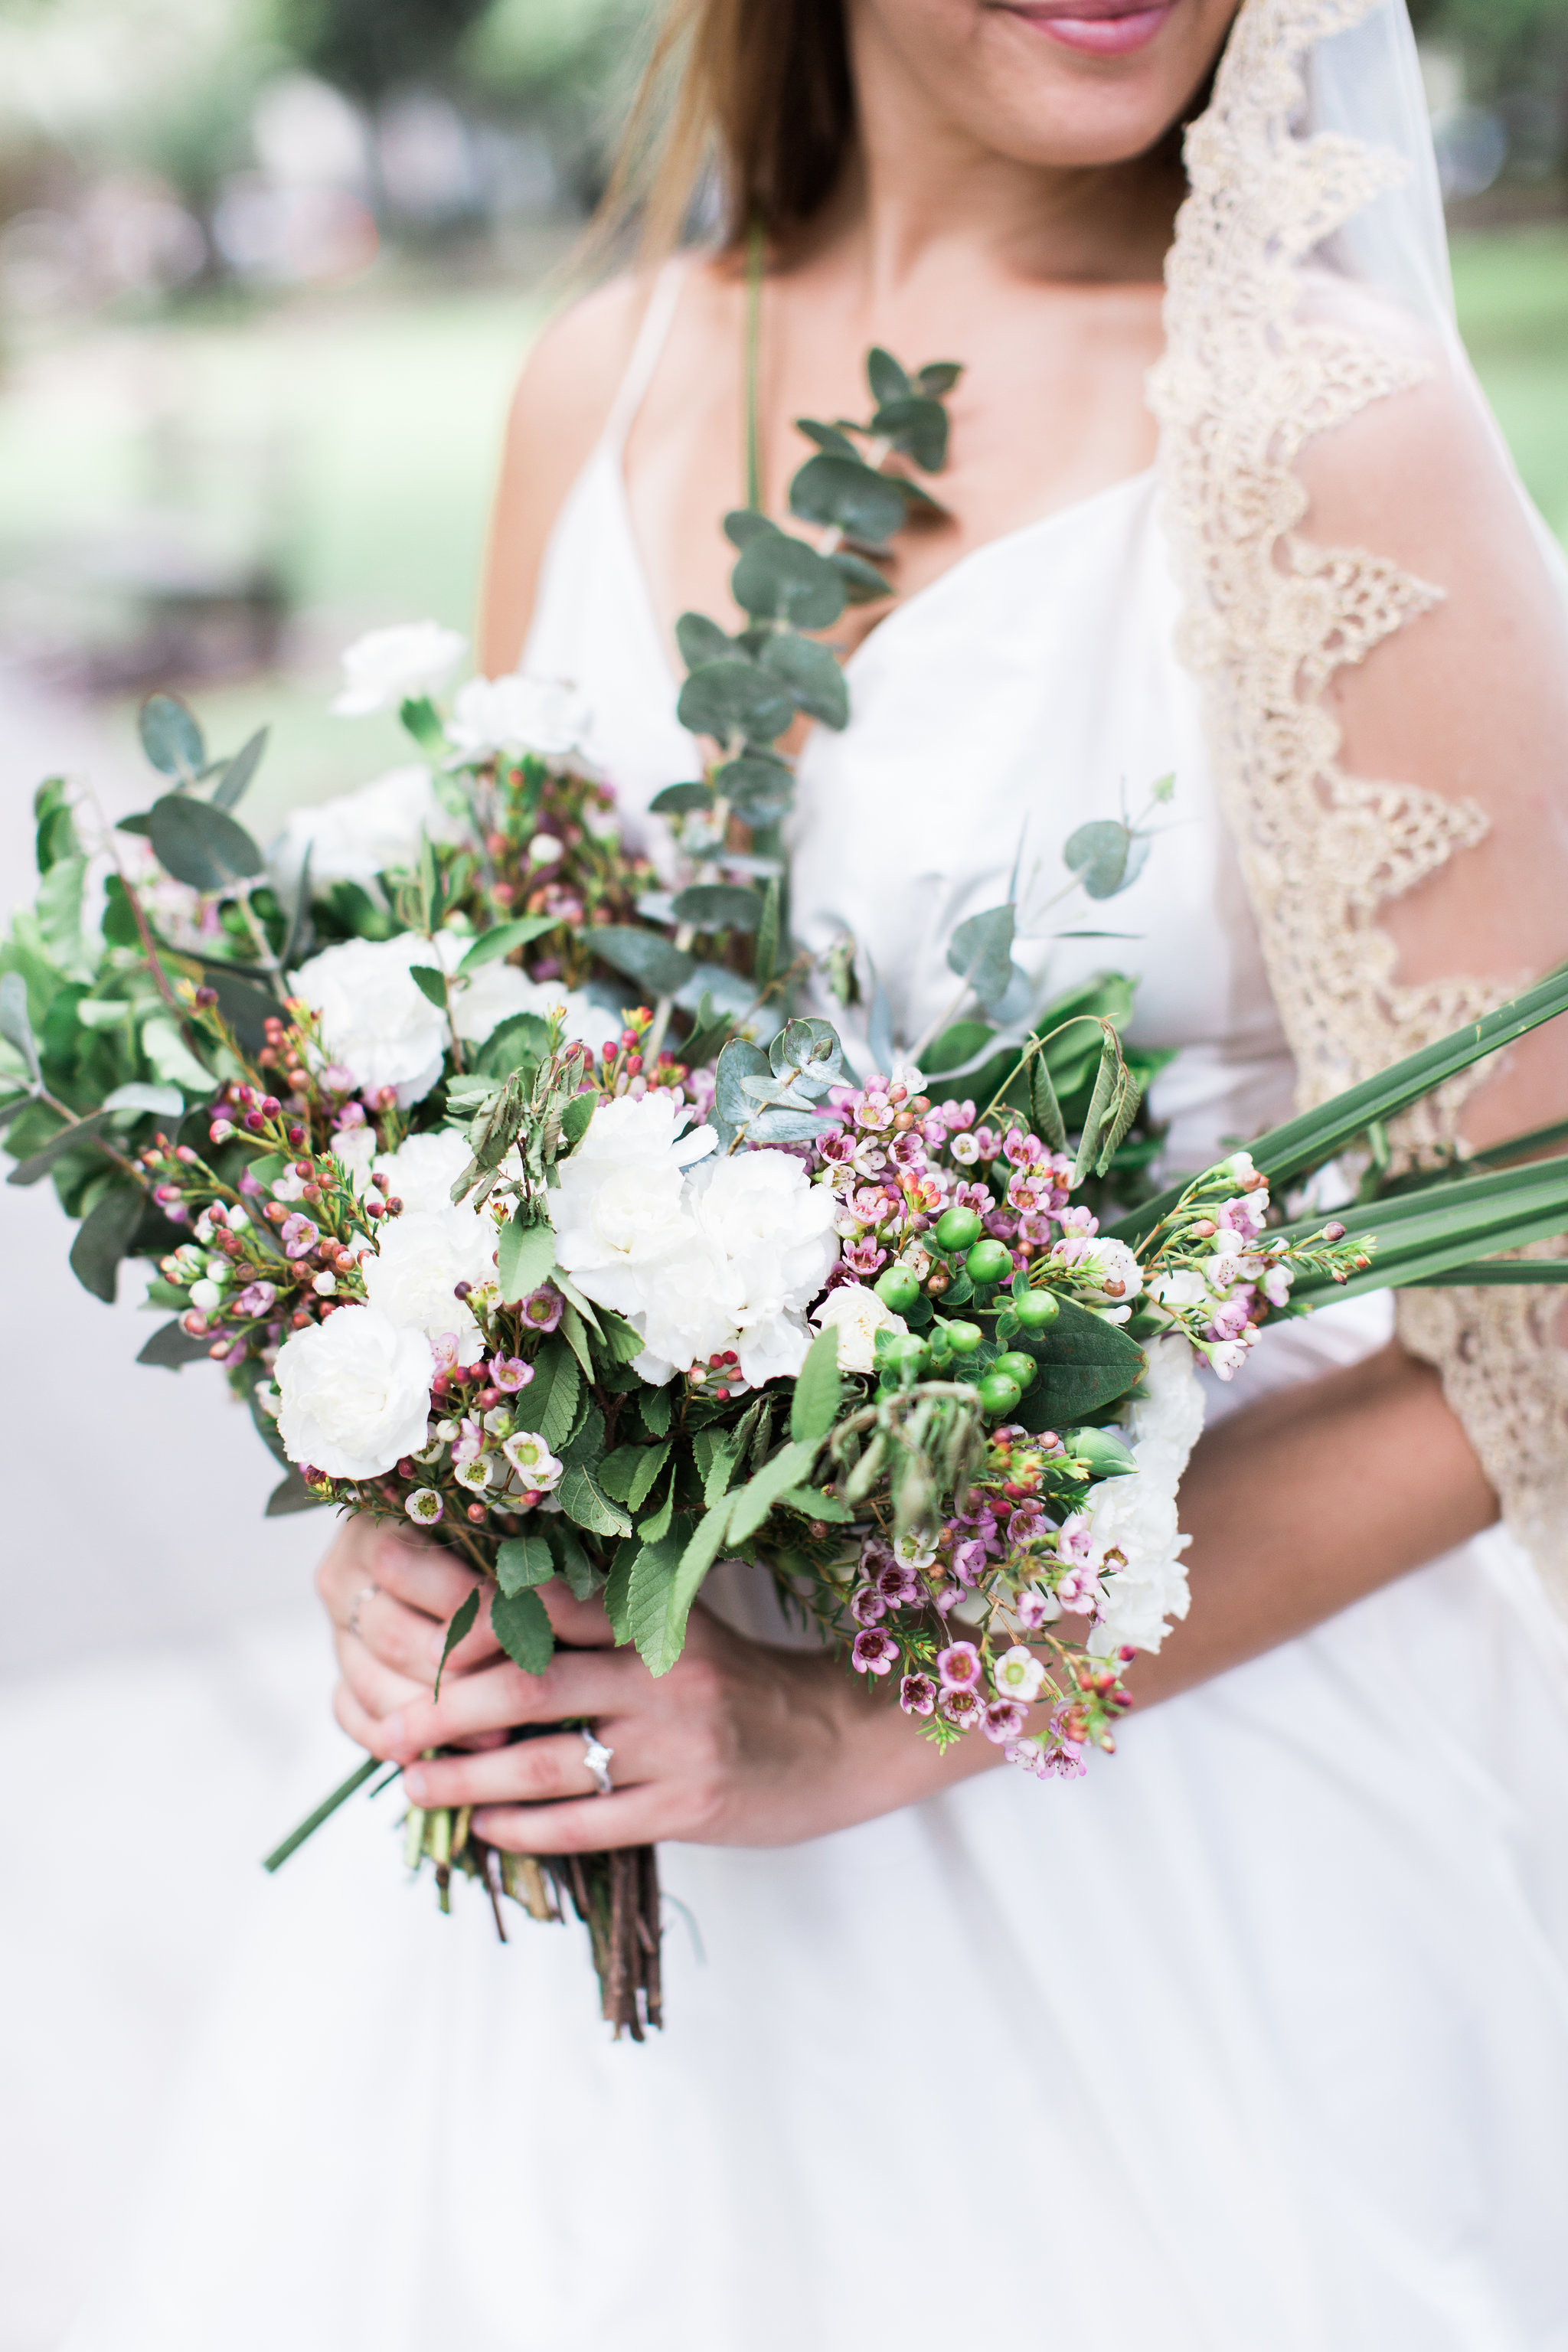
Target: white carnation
(487,997)
(375,1021)
(769,1231)
(354,1392)
(421,1256)
(363,834)
(1136,1515)
(856,1314)
(423,1169)
(386,666)
(518,714)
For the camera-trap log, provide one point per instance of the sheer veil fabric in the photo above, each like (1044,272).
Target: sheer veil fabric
(1308,280)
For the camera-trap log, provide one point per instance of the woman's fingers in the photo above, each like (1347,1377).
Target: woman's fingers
(575,1682)
(639,1816)
(581,1624)
(398,1594)
(380,1689)
(529,1771)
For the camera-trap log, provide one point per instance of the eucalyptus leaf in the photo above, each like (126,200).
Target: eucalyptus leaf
(236,776)
(15,1026)
(171,736)
(917,426)
(865,506)
(759,787)
(680,799)
(153,1102)
(172,1346)
(863,583)
(743,524)
(981,951)
(734,697)
(739,1061)
(103,1237)
(1106,855)
(79,1135)
(492,945)
(939,377)
(782,579)
(292,1495)
(831,438)
(719,906)
(201,845)
(813,677)
(887,379)
(702,640)
(643,956)
(764,960)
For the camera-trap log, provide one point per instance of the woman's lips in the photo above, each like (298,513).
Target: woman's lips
(1098,32)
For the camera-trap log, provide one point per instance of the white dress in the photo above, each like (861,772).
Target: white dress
(1255,2039)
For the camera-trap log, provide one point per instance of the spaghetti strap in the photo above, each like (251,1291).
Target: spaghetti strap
(645,351)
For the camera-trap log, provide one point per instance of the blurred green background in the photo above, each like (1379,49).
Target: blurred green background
(268,269)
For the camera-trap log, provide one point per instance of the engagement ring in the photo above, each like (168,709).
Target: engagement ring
(596,1757)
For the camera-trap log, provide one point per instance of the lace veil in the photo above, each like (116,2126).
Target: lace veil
(1308,296)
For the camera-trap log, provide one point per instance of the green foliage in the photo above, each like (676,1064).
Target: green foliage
(521,1625)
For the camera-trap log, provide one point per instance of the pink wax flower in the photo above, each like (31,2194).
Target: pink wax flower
(960,1666)
(956,1115)
(864,1258)
(874,1653)
(1005,1719)
(897,1584)
(541,1310)
(867,1605)
(968,1561)
(916,1695)
(1034,1609)
(298,1236)
(256,1298)
(963,1710)
(510,1373)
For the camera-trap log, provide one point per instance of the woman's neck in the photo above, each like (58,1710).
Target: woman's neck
(921,194)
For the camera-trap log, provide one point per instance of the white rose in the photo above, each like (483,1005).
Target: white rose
(518,714)
(362,836)
(856,1314)
(386,666)
(423,1169)
(375,1021)
(420,1259)
(770,1232)
(354,1392)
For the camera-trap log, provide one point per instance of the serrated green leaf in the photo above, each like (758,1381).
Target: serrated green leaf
(576,1338)
(665,1581)
(658,1523)
(549,1404)
(521,1625)
(584,1500)
(577,1118)
(816,1503)
(651,1461)
(462,1623)
(818,1391)
(524,1257)
(656,1406)
(523,1560)
(750,1507)
(571,1562)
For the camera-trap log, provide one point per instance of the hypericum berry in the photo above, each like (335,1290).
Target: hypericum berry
(989,1261)
(1018,1367)
(957,1229)
(962,1338)
(897,1289)
(1035,1309)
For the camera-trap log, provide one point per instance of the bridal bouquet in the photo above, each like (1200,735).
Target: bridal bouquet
(610,1291)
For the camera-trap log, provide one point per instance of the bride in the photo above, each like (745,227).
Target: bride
(1258,2036)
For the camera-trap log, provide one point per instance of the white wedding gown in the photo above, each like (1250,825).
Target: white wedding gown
(1255,2039)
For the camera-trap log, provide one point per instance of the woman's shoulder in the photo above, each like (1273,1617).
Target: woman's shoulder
(559,411)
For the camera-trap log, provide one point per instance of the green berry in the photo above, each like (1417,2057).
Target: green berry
(897,1289)
(1035,1309)
(999,1394)
(989,1261)
(1018,1367)
(962,1338)
(904,1351)
(1103,1452)
(956,1229)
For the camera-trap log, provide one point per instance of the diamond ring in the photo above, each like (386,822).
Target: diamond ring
(596,1757)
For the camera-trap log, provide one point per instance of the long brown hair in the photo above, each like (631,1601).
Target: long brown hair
(757,91)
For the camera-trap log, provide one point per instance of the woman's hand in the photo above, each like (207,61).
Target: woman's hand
(740,1744)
